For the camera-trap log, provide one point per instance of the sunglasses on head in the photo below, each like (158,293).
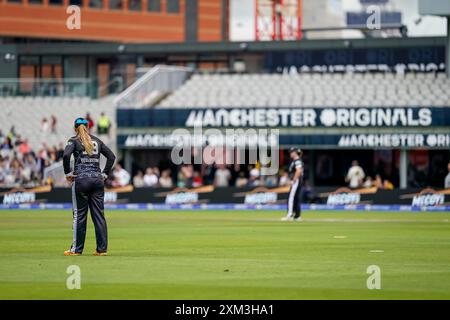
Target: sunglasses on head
(80,122)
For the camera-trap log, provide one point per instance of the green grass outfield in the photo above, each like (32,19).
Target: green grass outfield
(229,255)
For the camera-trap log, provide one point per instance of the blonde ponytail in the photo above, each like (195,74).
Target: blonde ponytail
(85,138)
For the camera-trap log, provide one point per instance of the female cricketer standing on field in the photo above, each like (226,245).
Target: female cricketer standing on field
(87,186)
(296,174)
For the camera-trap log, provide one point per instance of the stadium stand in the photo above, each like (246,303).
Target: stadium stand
(26,114)
(311,89)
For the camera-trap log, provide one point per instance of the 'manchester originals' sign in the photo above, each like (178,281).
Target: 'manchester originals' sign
(326,117)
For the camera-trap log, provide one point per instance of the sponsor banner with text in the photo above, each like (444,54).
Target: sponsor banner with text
(263,197)
(359,141)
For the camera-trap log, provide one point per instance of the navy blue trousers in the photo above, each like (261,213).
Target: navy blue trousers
(88,194)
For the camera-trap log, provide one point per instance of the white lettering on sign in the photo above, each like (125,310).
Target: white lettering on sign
(395,140)
(19,197)
(306,117)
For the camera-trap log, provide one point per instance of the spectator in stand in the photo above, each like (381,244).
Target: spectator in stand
(208,174)
(90,121)
(284,179)
(121,176)
(254,179)
(166,181)
(30,162)
(44,125)
(156,172)
(368,183)
(241,181)
(24,147)
(197,180)
(12,133)
(138,179)
(15,172)
(150,178)
(26,173)
(355,175)
(378,182)
(42,153)
(53,154)
(271,181)
(103,124)
(3,169)
(53,123)
(6,144)
(6,147)
(222,176)
(18,171)
(60,151)
(254,171)
(181,179)
(388,185)
(186,175)
(18,141)
(447,178)
(9,177)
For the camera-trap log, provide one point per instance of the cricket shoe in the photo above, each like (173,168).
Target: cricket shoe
(286,219)
(100,254)
(70,253)
(298,219)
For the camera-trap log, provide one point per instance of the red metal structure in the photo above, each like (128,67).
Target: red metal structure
(278,20)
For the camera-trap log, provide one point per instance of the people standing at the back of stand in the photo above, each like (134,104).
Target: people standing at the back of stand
(447,178)
(103,125)
(121,176)
(90,122)
(166,180)
(53,124)
(44,125)
(355,175)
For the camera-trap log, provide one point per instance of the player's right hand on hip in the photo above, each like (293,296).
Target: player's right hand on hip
(70,177)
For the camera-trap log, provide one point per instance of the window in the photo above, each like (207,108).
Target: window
(35,1)
(95,3)
(115,4)
(135,5)
(75,2)
(154,5)
(173,6)
(15,1)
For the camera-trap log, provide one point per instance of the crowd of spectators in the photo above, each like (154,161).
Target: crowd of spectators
(153,178)
(240,176)
(357,178)
(23,166)
(20,165)
(217,175)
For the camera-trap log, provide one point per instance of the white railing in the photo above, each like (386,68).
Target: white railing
(159,80)
(45,87)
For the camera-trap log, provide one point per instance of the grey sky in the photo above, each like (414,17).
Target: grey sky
(429,26)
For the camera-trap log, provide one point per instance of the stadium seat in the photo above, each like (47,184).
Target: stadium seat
(26,113)
(310,89)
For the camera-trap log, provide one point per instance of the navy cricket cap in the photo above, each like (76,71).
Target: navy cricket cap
(295,149)
(80,121)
